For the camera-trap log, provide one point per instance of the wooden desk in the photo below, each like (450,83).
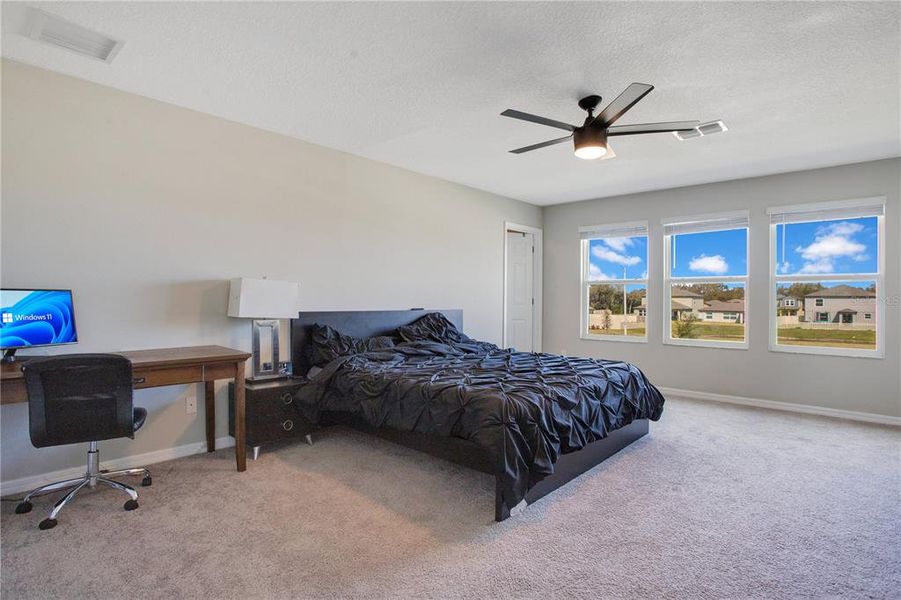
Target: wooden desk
(168,366)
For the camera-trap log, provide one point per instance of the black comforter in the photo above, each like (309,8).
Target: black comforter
(526,409)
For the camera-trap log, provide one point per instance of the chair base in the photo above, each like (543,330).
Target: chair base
(93,475)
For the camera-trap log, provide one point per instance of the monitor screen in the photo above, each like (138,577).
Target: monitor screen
(36,318)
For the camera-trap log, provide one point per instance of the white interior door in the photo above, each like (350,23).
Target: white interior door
(519,285)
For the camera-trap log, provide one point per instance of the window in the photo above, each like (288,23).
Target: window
(830,256)
(615,282)
(706,273)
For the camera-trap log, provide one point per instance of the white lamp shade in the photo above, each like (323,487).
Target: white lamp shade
(263,299)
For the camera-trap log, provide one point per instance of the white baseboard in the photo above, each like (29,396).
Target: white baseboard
(26,484)
(786,406)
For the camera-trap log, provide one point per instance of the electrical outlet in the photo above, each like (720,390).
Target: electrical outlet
(190,404)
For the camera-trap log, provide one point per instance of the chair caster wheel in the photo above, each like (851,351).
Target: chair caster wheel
(147,481)
(131,505)
(47,524)
(23,507)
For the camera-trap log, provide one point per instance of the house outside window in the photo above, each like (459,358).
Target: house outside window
(614,282)
(831,256)
(706,280)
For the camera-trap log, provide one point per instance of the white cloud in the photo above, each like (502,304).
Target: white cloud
(844,229)
(709,264)
(619,243)
(831,246)
(784,267)
(820,266)
(594,272)
(615,257)
(832,241)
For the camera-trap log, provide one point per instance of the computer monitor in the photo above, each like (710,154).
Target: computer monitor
(30,318)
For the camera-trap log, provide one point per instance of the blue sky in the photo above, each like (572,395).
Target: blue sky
(716,253)
(618,258)
(839,246)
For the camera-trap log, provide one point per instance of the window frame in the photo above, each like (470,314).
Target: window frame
(878,277)
(669,280)
(586,282)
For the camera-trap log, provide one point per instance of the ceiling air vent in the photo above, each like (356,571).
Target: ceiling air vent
(701,130)
(58,32)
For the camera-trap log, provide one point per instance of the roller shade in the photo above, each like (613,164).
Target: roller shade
(827,211)
(701,223)
(618,230)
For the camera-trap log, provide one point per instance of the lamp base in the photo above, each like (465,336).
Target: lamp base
(265,371)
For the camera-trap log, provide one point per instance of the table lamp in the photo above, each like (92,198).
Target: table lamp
(266,301)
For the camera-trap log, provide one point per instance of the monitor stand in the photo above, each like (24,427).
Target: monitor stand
(9,356)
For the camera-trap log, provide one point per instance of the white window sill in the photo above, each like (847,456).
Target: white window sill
(706,344)
(823,351)
(614,338)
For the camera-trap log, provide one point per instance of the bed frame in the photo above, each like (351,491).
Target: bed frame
(464,452)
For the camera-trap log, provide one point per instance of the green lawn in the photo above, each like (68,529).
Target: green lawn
(720,332)
(638,332)
(792,336)
(841,338)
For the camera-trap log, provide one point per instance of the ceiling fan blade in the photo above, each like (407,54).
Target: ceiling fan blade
(652,128)
(515,114)
(629,98)
(541,145)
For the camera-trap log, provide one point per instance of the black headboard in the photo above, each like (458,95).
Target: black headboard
(356,323)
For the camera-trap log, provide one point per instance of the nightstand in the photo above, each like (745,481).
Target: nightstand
(271,413)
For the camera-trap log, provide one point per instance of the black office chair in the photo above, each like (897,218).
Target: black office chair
(81,398)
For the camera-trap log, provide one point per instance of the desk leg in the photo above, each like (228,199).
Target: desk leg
(210,392)
(240,437)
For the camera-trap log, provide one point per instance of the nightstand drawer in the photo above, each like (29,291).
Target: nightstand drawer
(270,412)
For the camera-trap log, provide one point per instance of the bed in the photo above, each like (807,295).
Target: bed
(534,421)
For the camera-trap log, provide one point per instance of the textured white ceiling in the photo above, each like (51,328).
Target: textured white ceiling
(420,85)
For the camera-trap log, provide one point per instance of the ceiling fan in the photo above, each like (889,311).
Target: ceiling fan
(591,138)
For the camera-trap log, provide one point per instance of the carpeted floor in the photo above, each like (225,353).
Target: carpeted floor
(718,501)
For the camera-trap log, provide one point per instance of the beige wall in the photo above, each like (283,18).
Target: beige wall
(863,306)
(719,317)
(146,210)
(855,384)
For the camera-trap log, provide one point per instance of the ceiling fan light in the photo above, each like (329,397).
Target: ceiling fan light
(591,152)
(590,142)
